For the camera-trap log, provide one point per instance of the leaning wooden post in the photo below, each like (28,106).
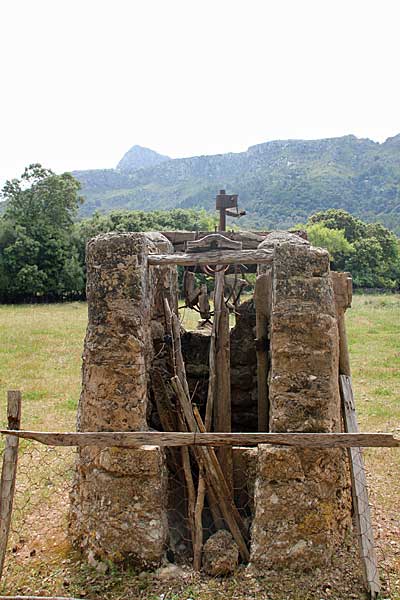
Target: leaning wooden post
(9,471)
(342,285)
(173,326)
(362,512)
(263,302)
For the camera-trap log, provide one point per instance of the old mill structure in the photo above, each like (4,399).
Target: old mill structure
(275,370)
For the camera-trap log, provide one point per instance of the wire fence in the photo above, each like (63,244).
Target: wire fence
(41,558)
(40,535)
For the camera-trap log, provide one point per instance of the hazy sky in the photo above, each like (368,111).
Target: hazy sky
(83,80)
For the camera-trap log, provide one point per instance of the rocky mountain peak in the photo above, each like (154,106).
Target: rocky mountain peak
(139,157)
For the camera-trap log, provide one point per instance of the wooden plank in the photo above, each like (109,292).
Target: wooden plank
(174,328)
(207,458)
(204,304)
(222,399)
(191,291)
(344,358)
(263,302)
(133,439)
(213,257)
(220,477)
(212,377)
(360,494)
(342,287)
(198,521)
(213,241)
(250,239)
(9,471)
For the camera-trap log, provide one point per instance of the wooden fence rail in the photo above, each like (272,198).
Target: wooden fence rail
(134,439)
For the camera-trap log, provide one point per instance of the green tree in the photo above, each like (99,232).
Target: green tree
(333,240)
(374,259)
(340,219)
(36,243)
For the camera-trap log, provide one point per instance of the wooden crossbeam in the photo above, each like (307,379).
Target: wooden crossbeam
(213,257)
(133,439)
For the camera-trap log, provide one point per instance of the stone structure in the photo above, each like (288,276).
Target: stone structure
(302,495)
(130,503)
(118,505)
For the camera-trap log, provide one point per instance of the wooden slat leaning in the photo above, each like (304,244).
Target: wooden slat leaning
(133,439)
(9,471)
(360,494)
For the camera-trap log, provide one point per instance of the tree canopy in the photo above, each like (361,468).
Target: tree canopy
(368,250)
(37,250)
(42,245)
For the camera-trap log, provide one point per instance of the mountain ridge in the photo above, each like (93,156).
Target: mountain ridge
(280,182)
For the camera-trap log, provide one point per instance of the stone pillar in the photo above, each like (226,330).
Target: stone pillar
(302,503)
(118,503)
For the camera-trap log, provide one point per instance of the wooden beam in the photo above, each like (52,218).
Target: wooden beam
(212,371)
(213,241)
(249,239)
(134,439)
(9,471)
(222,390)
(174,329)
(215,478)
(360,494)
(213,257)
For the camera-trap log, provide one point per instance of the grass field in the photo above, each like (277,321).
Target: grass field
(40,354)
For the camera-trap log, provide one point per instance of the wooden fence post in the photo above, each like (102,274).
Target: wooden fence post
(9,471)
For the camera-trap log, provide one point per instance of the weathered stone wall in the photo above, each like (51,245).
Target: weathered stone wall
(196,348)
(302,496)
(304,386)
(118,501)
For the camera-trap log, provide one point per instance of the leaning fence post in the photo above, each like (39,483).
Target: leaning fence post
(9,471)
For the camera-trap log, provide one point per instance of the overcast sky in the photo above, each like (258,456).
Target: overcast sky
(84,80)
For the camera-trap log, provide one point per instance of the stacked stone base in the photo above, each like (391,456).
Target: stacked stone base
(119,505)
(302,500)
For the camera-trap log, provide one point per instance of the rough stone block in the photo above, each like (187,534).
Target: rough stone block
(220,554)
(118,509)
(302,501)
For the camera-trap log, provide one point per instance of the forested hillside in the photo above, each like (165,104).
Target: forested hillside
(42,243)
(279,183)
